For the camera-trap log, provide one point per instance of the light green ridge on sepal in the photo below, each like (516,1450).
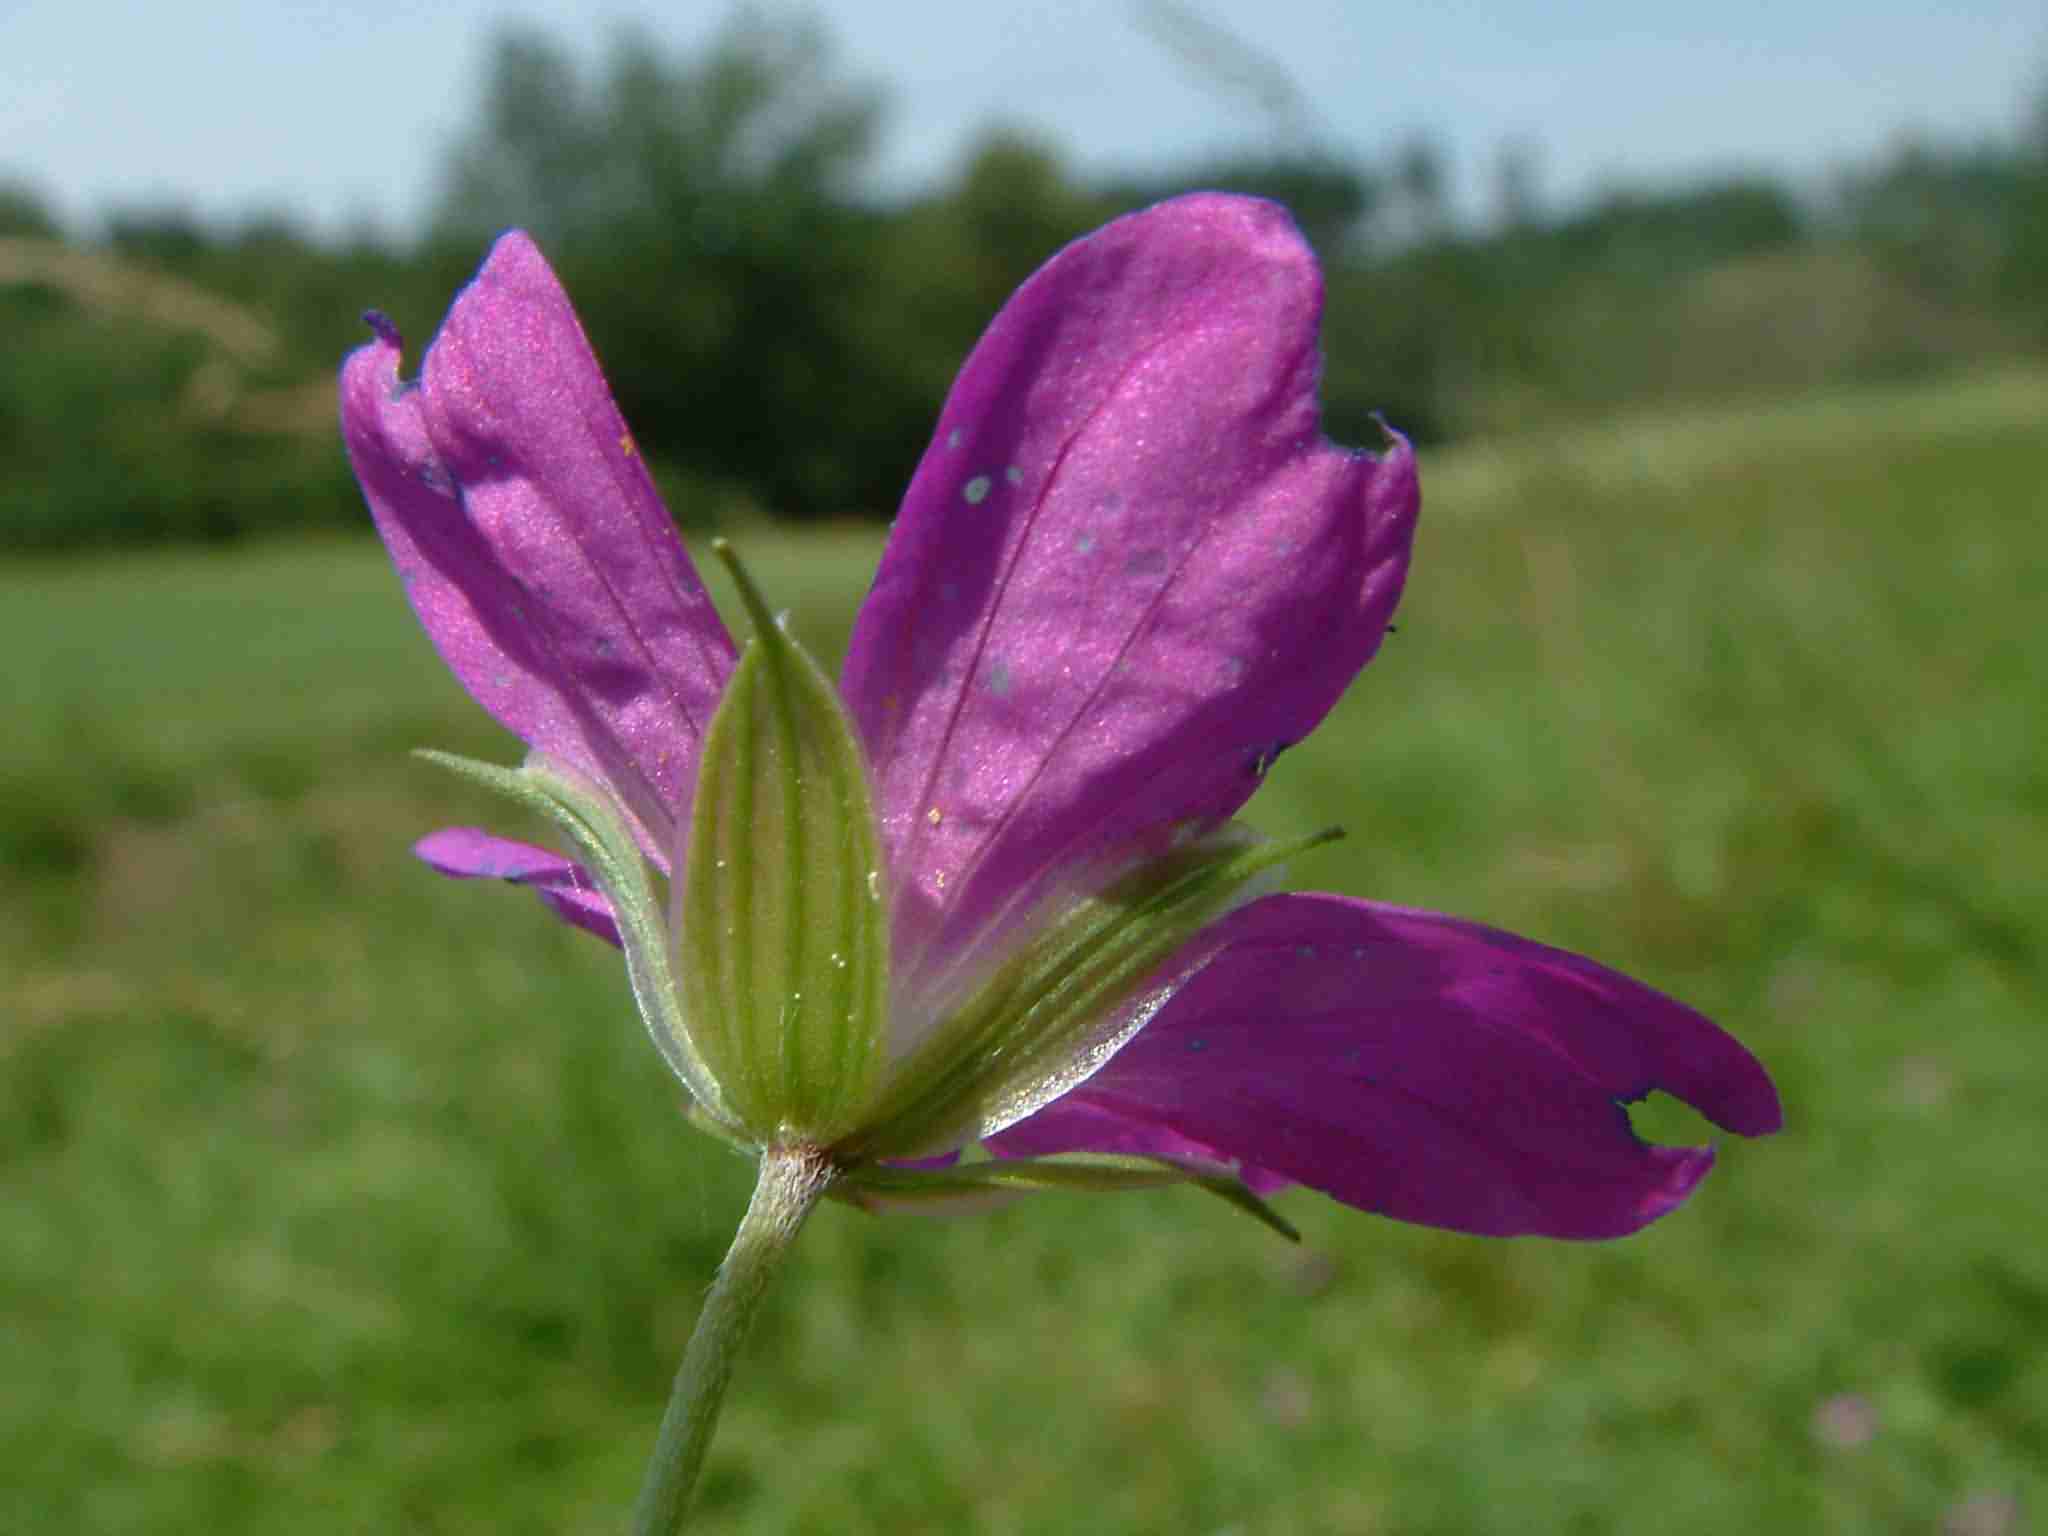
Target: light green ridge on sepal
(781,925)
(1065,999)
(873,1185)
(599,830)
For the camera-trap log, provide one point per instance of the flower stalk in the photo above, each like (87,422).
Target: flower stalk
(790,1182)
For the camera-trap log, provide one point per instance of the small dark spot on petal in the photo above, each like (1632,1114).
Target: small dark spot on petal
(1147,562)
(1262,761)
(437,479)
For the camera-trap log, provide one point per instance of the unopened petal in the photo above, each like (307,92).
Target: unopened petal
(1423,1067)
(470,853)
(532,543)
(1129,570)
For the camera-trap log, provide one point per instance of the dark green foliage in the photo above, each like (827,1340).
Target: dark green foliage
(701,213)
(1970,220)
(781,342)
(115,429)
(23,211)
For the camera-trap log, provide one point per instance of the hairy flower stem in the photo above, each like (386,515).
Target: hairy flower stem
(791,1180)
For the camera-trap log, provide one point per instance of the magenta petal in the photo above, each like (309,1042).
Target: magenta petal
(469,853)
(531,540)
(1427,1068)
(1129,569)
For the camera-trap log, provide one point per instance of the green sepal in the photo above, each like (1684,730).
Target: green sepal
(603,838)
(1045,1016)
(781,924)
(873,1186)
(710,1125)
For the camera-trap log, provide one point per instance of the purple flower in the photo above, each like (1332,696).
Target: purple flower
(1128,572)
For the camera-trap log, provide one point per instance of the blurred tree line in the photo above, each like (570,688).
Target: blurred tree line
(781,344)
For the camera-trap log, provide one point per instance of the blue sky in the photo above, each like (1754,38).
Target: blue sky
(341,112)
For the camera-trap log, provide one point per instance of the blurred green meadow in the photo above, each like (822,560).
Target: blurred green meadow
(336,1197)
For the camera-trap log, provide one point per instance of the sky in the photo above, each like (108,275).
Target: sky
(340,114)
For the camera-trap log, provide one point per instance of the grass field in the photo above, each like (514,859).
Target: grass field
(338,1198)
